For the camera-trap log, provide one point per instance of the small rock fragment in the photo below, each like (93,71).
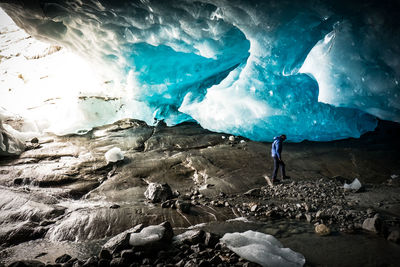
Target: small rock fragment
(322,230)
(114,206)
(254,208)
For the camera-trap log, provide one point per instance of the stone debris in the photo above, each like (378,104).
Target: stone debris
(191,248)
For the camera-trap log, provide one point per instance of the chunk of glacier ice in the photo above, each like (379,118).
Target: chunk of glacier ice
(114,154)
(263,249)
(355,185)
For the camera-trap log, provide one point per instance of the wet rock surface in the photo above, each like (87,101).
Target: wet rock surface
(62,189)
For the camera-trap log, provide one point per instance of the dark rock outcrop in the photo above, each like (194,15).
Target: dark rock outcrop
(157,192)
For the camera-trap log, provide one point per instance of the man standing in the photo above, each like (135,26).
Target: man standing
(276,151)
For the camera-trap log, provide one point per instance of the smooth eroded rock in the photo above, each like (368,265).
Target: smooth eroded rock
(121,241)
(152,236)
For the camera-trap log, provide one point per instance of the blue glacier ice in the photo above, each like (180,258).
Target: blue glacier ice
(316,70)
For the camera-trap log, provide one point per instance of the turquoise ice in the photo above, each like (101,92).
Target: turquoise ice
(253,68)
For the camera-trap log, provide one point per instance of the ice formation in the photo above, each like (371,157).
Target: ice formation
(355,185)
(114,154)
(263,249)
(314,70)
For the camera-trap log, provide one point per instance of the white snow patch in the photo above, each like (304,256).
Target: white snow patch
(114,154)
(263,249)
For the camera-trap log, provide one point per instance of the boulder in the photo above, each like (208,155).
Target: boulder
(183,206)
(63,258)
(190,237)
(128,255)
(105,254)
(104,263)
(157,192)
(91,262)
(121,241)
(372,224)
(211,239)
(322,230)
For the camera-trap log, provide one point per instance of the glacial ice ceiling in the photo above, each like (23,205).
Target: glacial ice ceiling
(316,70)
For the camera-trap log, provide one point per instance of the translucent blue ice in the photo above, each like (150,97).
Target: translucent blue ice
(253,68)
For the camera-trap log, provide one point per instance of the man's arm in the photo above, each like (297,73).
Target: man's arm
(278,150)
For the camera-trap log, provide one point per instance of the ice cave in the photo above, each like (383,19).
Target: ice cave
(316,70)
(101,99)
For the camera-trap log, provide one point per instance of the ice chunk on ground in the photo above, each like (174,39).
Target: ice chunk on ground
(355,185)
(263,249)
(114,154)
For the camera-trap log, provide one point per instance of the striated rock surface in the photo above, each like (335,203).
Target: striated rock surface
(62,189)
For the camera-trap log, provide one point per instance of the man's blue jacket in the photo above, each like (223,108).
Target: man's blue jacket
(276,148)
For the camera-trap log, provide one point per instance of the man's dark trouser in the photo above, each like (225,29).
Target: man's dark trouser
(278,163)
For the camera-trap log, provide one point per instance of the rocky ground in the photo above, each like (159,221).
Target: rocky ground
(61,196)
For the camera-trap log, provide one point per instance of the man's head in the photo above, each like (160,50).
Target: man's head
(283,137)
